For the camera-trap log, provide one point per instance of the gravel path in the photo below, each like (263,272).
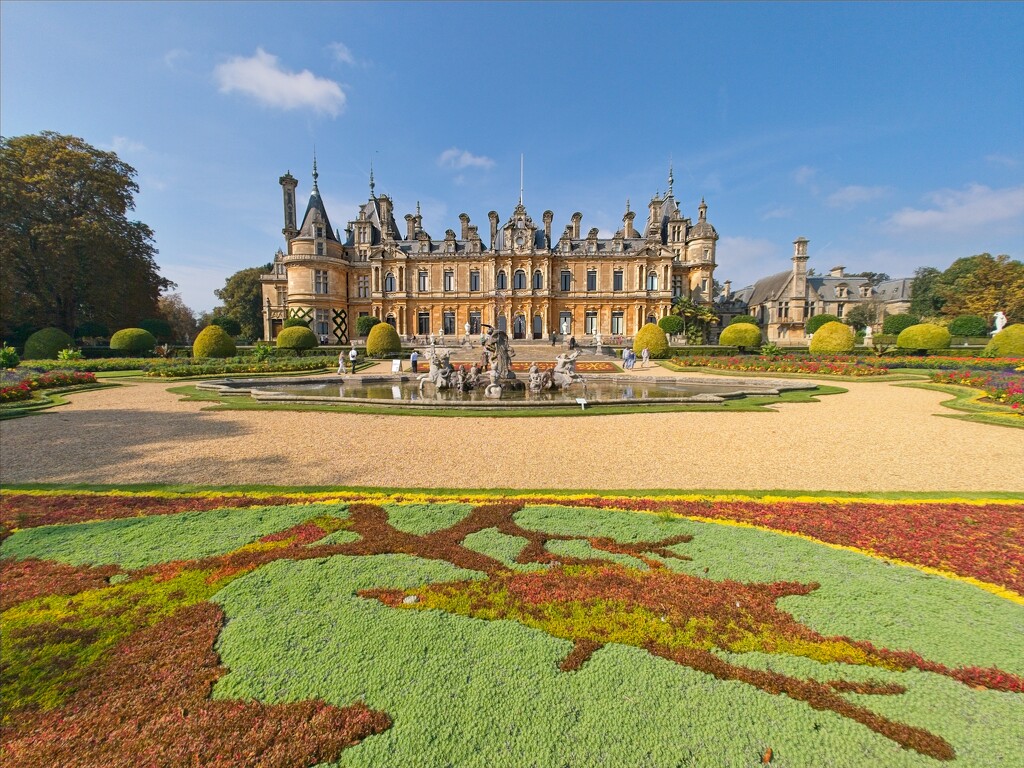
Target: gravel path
(877,437)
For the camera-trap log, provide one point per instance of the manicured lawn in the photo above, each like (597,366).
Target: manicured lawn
(343,627)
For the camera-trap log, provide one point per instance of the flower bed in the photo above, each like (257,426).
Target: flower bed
(844,365)
(1000,388)
(25,389)
(285,629)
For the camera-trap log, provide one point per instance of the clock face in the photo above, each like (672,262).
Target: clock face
(520,241)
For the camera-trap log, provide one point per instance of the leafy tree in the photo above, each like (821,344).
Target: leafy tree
(697,318)
(182,319)
(671,324)
(814,323)
(924,301)
(862,315)
(158,327)
(231,326)
(364,324)
(874,277)
(896,324)
(981,285)
(68,252)
(744,319)
(242,295)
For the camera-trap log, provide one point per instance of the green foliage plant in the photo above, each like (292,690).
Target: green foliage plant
(833,338)
(70,354)
(896,324)
(231,326)
(135,340)
(45,344)
(242,297)
(742,335)
(771,349)
(296,339)
(814,323)
(744,319)
(92,330)
(364,324)
(159,327)
(1009,342)
(383,341)
(295,322)
(671,324)
(8,356)
(924,337)
(654,339)
(969,325)
(213,341)
(262,352)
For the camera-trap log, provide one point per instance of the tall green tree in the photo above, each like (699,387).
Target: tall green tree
(981,285)
(68,252)
(242,295)
(182,319)
(924,301)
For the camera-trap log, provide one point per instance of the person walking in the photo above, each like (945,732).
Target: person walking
(413,359)
(352,358)
(341,362)
(645,355)
(572,343)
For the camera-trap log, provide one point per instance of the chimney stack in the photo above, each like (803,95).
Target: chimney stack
(576,219)
(464,218)
(727,289)
(410,226)
(548,218)
(493,216)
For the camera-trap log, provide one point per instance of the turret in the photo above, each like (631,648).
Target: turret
(798,289)
(548,217)
(493,216)
(288,184)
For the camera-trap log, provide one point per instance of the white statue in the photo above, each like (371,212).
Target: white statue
(867,334)
(1000,321)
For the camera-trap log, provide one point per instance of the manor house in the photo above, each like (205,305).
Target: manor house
(521,278)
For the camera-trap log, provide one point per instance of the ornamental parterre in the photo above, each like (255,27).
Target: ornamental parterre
(287,629)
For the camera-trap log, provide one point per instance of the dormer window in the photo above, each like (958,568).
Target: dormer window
(842,291)
(566,246)
(865,291)
(319,231)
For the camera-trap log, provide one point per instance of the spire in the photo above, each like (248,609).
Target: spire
(315,174)
(371,179)
(520,178)
(671,178)
(627,205)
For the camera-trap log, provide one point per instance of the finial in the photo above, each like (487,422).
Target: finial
(671,178)
(371,178)
(315,174)
(627,205)
(521,178)
(417,207)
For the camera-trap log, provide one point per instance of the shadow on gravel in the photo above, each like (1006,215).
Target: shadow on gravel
(106,445)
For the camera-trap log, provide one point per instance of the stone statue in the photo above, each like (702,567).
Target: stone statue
(999,320)
(597,338)
(500,354)
(867,334)
(564,373)
(440,374)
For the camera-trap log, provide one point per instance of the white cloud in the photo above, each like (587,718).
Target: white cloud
(1006,161)
(746,259)
(341,53)
(460,158)
(173,56)
(779,212)
(262,77)
(125,146)
(853,195)
(954,209)
(804,175)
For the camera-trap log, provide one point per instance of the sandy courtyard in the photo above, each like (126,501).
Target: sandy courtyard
(876,437)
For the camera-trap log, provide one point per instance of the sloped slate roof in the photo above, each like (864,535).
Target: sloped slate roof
(316,204)
(769,288)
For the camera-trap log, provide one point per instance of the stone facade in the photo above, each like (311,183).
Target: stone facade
(785,301)
(518,276)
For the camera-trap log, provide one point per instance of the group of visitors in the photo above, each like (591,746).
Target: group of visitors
(352,359)
(629,358)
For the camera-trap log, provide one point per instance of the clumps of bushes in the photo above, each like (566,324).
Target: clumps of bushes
(45,344)
(896,324)
(833,338)
(295,322)
(134,340)
(923,337)
(742,335)
(749,319)
(671,324)
(814,323)
(213,341)
(296,339)
(8,356)
(364,324)
(969,325)
(92,330)
(654,339)
(383,341)
(231,326)
(1009,342)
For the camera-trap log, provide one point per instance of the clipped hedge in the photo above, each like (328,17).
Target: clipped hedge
(742,335)
(133,340)
(296,338)
(749,319)
(924,336)
(45,344)
(213,341)
(671,324)
(1009,342)
(969,325)
(833,338)
(814,323)
(295,322)
(654,339)
(383,341)
(896,324)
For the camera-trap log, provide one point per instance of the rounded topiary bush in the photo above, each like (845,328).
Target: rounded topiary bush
(969,325)
(134,340)
(894,324)
(364,324)
(213,341)
(742,335)
(833,338)
(1009,342)
(924,336)
(296,339)
(45,344)
(749,319)
(652,337)
(671,324)
(814,323)
(383,341)
(295,322)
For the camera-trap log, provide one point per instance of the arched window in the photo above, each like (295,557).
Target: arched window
(652,281)
(389,283)
(538,280)
(501,281)
(519,280)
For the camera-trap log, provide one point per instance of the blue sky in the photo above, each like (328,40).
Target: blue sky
(891,135)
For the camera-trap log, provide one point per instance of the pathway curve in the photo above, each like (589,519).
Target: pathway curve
(877,437)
